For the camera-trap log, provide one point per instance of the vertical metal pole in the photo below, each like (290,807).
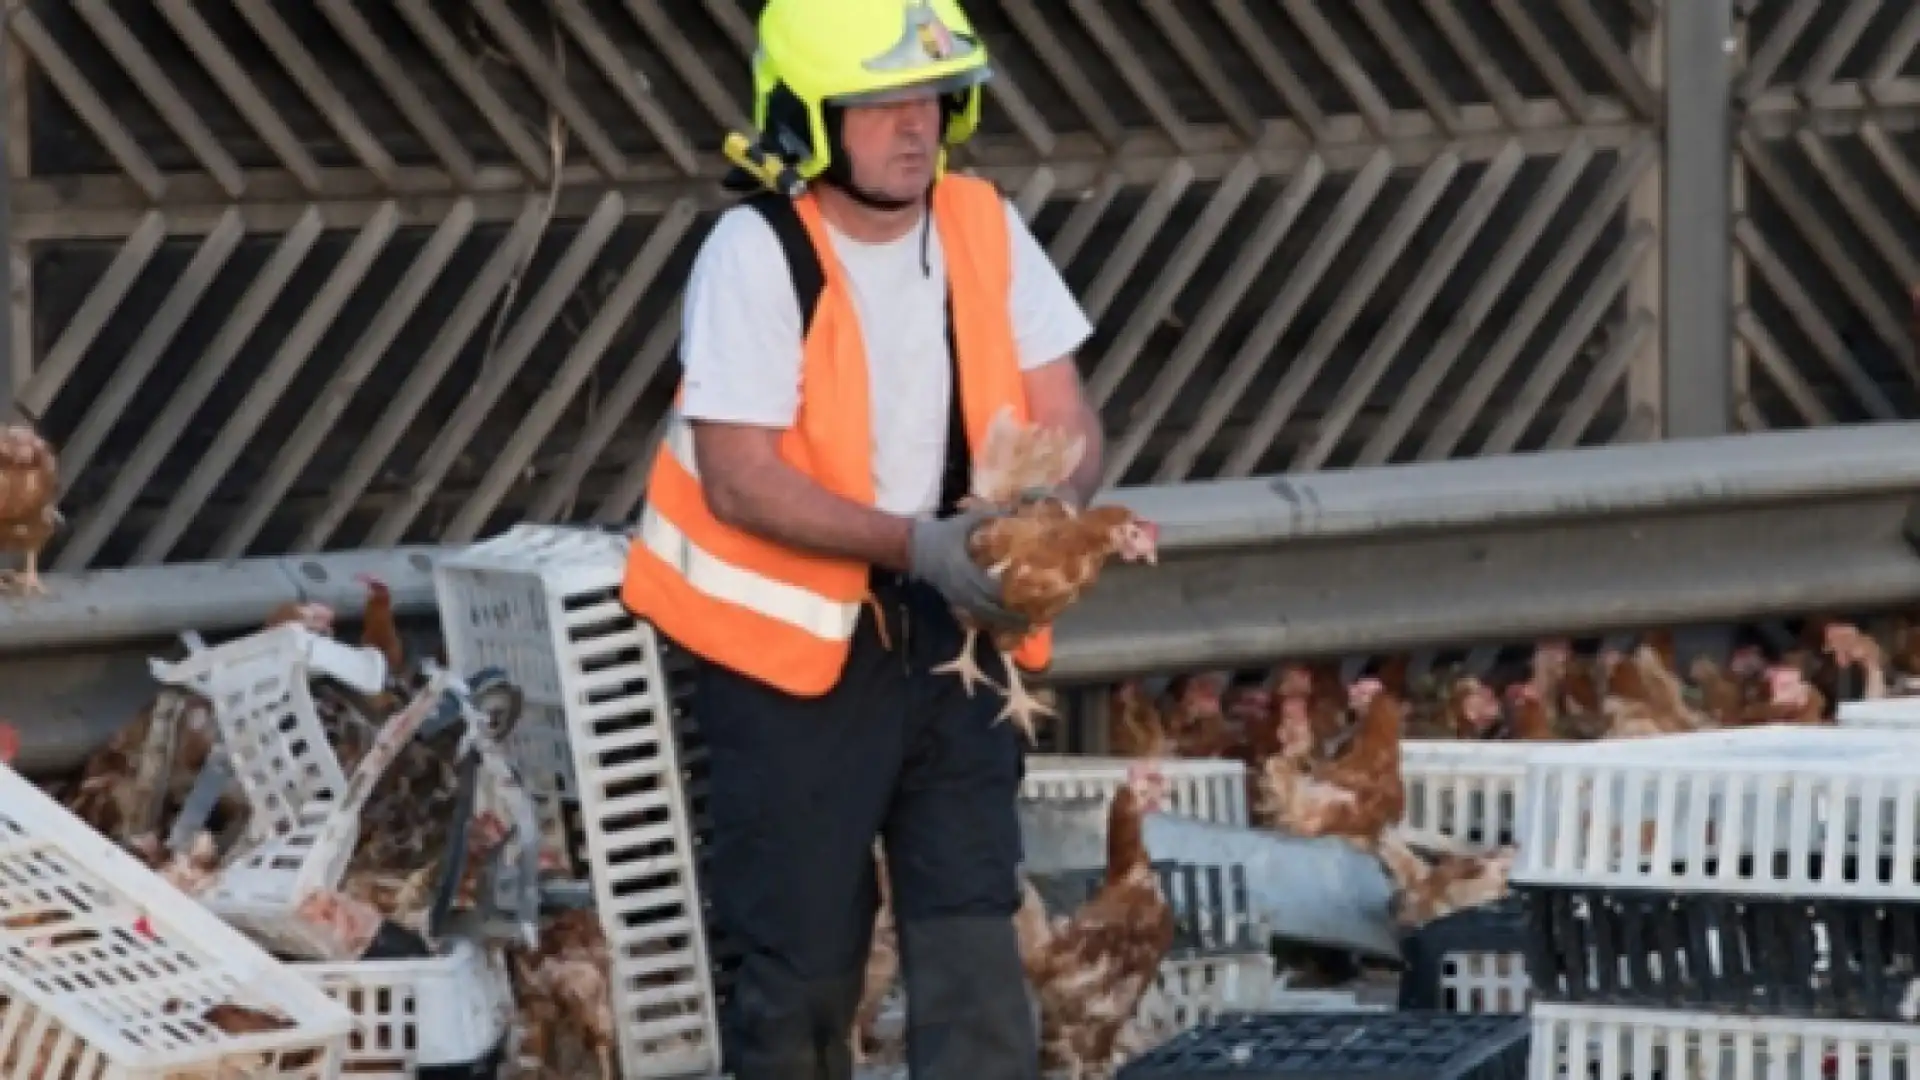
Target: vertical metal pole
(1698,334)
(18,368)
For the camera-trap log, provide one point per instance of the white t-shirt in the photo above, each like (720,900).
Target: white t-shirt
(740,342)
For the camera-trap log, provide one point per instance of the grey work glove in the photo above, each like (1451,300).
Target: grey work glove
(937,551)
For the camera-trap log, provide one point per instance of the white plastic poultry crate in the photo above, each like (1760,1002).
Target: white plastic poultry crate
(1464,795)
(1485,982)
(1674,812)
(495,611)
(258,689)
(1887,714)
(408,1015)
(297,840)
(1194,990)
(109,972)
(1211,790)
(543,603)
(1582,1042)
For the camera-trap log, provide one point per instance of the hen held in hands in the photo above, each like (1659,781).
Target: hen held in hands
(1043,552)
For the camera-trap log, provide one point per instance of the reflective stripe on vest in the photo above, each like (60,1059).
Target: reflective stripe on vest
(722,580)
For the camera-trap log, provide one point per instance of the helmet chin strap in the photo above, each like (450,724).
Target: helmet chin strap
(869,199)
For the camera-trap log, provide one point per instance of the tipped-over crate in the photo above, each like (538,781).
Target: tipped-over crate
(542,603)
(1586,1042)
(1765,871)
(416,1015)
(110,973)
(1471,961)
(1211,790)
(302,823)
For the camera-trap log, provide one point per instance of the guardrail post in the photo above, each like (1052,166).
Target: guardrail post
(16,272)
(1697,229)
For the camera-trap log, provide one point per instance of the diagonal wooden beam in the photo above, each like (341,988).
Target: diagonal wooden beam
(245,95)
(1628,343)
(1353,296)
(102,301)
(613,415)
(1411,400)
(432,365)
(1381,23)
(592,38)
(392,78)
(1124,259)
(1170,19)
(322,416)
(1116,50)
(1177,373)
(106,408)
(1152,310)
(1479,60)
(93,110)
(1781,370)
(1540,52)
(1570,252)
(721,102)
(1597,300)
(1256,349)
(1273,65)
(1765,56)
(1325,41)
(290,354)
(1807,315)
(543,72)
(305,72)
(1614,59)
(433,32)
(497,370)
(145,74)
(97,523)
(1858,285)
(1442,261)
(511,461)
(1061,64)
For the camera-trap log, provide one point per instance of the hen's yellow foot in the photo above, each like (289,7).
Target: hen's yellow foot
(1022,707)
(26,582)
(966,666)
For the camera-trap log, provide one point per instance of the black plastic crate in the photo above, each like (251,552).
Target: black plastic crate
(1434,952)
(1817,958)
(1342,1046)
(1212,914)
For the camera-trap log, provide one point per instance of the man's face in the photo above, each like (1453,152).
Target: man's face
(892,147)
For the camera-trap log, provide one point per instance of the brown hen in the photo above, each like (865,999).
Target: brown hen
(29,487)
(1044,553)
(1095,966)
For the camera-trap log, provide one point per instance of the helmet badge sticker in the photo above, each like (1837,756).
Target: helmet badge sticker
(923,40)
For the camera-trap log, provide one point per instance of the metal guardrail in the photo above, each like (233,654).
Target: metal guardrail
(1397,557)
(1400,556)
(1506,549)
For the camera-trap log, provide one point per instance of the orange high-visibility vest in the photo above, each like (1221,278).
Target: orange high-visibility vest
(785,617)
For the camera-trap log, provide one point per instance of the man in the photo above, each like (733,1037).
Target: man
(799,540)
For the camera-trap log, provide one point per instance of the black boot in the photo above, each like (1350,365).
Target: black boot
(968,1012)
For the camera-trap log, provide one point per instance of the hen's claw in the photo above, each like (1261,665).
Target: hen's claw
(967,666)
(25,582)
(1021,707)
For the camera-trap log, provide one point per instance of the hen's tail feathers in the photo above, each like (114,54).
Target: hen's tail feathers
(1023,457)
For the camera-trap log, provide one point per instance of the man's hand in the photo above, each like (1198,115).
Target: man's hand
(938,556)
